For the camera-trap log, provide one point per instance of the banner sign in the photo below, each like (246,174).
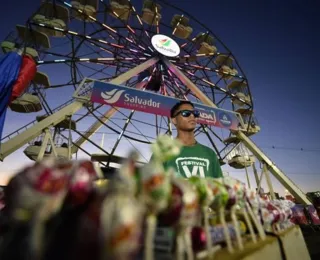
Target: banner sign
(150,102)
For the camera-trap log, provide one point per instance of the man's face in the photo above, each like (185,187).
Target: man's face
(184,123)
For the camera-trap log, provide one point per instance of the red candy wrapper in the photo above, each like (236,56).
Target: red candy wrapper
(184,205)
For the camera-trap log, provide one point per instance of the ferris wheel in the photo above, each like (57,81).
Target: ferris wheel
(114,41)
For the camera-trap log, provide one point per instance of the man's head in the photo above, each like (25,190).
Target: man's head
(184,116)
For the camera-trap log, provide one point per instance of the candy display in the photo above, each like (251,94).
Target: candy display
(63,210)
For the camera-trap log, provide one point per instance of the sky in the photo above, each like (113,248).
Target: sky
(277,45)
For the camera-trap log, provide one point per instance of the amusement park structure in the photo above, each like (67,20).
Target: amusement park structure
(87,41)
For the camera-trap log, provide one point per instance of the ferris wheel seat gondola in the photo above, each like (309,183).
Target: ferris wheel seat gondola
(231,140)
(241,96)
(27,103)
(58,23)
(241,161)
(150,12)
(86,10)
(244,111)
(32,152)
(239,89)
(33,36)
(7,46)
(121,8)
(180,26)
(55,11)
(223,59)
(41,79)
(226,72)
(250,130)
(206,48)
(206,43)
(237,86)
(205,37)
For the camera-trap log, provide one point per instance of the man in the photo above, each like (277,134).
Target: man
(194,159)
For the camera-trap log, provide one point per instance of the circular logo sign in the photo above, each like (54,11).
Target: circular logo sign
(225,119)
(165,45)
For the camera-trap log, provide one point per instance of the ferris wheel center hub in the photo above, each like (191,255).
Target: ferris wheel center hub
(165,45)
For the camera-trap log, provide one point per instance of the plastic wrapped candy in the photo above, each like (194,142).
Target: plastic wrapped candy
(219,204)
(155,189)
(33,196)
(121,222)
(182,213)
(83,175)
(199,236)
(165,148)
(276,215)
(125,181)
(34,186)
(205,199)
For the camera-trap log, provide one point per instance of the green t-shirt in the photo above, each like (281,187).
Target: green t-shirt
(196,160)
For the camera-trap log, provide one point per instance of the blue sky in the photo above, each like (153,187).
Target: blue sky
(277,46)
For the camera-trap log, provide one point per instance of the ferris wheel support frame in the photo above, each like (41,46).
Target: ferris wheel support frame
(34,131)
(109,113)
(52,120)
(276,172)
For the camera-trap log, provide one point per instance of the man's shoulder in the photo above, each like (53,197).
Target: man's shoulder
(207,148)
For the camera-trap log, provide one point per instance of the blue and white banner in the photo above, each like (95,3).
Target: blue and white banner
(150,102)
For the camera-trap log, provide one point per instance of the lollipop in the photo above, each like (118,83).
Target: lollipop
(165,148)
(154,194)
(182,214)
(254,204)
(205,199)
(236,194)
(221,200)
(199,235)
(84,173)
(155,186)
(121,221)
(34,195)
(276,215)
(125,181)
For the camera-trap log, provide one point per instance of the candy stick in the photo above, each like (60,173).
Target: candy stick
(207,230)
(151,222)
(225,229)
(221,198)
(206,198)
(188,243)
(256,222)
(179,254)
(236,226)
(249,225)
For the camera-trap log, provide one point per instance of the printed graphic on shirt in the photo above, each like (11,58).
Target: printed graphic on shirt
(192,166)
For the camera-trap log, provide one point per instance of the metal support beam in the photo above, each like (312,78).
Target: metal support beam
(247,176)
(105,117)
(280,176)
(44,145)
(255,174)
(268,179)
(185,80)
(23,138)
(277,173)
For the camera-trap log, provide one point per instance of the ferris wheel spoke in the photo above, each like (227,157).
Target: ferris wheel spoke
(130,30)
(121,134)
(109,28)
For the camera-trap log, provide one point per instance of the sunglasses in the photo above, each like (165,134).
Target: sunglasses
(187,113)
